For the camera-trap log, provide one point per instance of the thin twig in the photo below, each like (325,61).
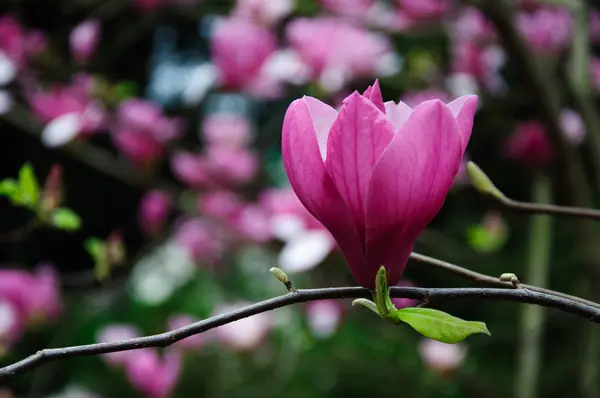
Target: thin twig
(563,211)
(493,281)
(592,313)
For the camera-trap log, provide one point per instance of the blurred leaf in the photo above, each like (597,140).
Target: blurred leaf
(484,240)
(29,186)
(95,247)
(439,325)
(9,188)
(125,90)
(66,219)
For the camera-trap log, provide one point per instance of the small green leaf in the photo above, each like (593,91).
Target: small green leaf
(126,89)
(482,182)
(66,219)
(439,325)
(95,247)
(367,304)
(483,240)
(29,186)
(9,188)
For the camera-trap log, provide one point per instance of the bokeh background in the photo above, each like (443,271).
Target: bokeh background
(153,129)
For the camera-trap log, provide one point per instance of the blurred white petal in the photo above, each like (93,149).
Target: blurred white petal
(201,79)
(286,226)
(8,69)
(62,130)
(5,102)
(305,251)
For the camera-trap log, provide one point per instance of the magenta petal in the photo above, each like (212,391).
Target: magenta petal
(313,185)
(357,139)
(397,113)
(464,108)
(322,116)
(374,94)
(409,185)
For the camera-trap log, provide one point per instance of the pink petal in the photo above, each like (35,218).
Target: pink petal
(322,116)
(397,113)
(358,137)
(311,182)
(409,185)
(464,108)
(374,94)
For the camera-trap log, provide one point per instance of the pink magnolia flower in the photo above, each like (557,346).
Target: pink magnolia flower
(142,130)
(12,324)
(220,204)
(231,165)
(424,9)
(245,334)
(152,375)
(375,174)
(405,302)
(200,239)
(573,126)
(117,332)
(191,169)
(414,98)
(440,357)
(350,50)
(239,50)
(12,39)
(226,130)
(154,211)
(548,30)
(529,144)
(471,24)
(351,8)
(84,39)
(324,317)
(252,223)
(265,12)
(191,343)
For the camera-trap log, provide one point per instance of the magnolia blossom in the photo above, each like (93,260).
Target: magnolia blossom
(471,24)
(142,130)
(349,51)
(116,332)
(573,126)
(245,334)
(154,210)
(252,223)
(529,144)
(414,98)
(13,39)
(548,30)
(153,375)
(424,9)
(220,204)
(12,324)
(200,239)
(191,169)
(351,8)
(226,130)
(84,39)
(324,317)
(440,357)
(375,174)
(267,12)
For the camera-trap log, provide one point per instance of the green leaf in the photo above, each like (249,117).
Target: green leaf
(95,247)
(29,186)
(483,240)
(9,188)
(66,219)
(126,89)
(439,325)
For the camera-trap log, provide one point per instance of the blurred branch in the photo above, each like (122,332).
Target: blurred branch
(522,295)
(542,208)
(19,233)
(493,281)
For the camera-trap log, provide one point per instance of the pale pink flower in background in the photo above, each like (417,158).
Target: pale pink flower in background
(84,39)
(191,169)
(424,9)
(227,130)
(440,357)
(117,332)
(405,302)
(141,130)
(245,334)
(573,126)
(267,12)
(12,39)
(350,8)
(239,49)
(12,324)
(529,144)
(153,375)
(154,211)
(231,165)
(252,223)
(548,30)
(324,317)
(471,24)
(190,343)
(220,204)
(350,51)
(201,240)
(355,155)
(414,98)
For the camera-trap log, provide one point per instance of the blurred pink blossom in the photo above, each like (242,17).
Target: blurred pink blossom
(324,317)
(252,223)
(191,169)
(12,324)
(573,126)
(547,29)
(245,334)
(529,144)
(141,130)
(201,239)
(154,211)
(405,302)
(350,8)
(239,49)
(471,24)
(84,39)
(153,375)
(116,332)
(424,9)
(594,25)
(12,39)
(440,357)
(349,52)
(231,165)
(414,98)
(220,204)
(267,12)
(226,130)
(191,343)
